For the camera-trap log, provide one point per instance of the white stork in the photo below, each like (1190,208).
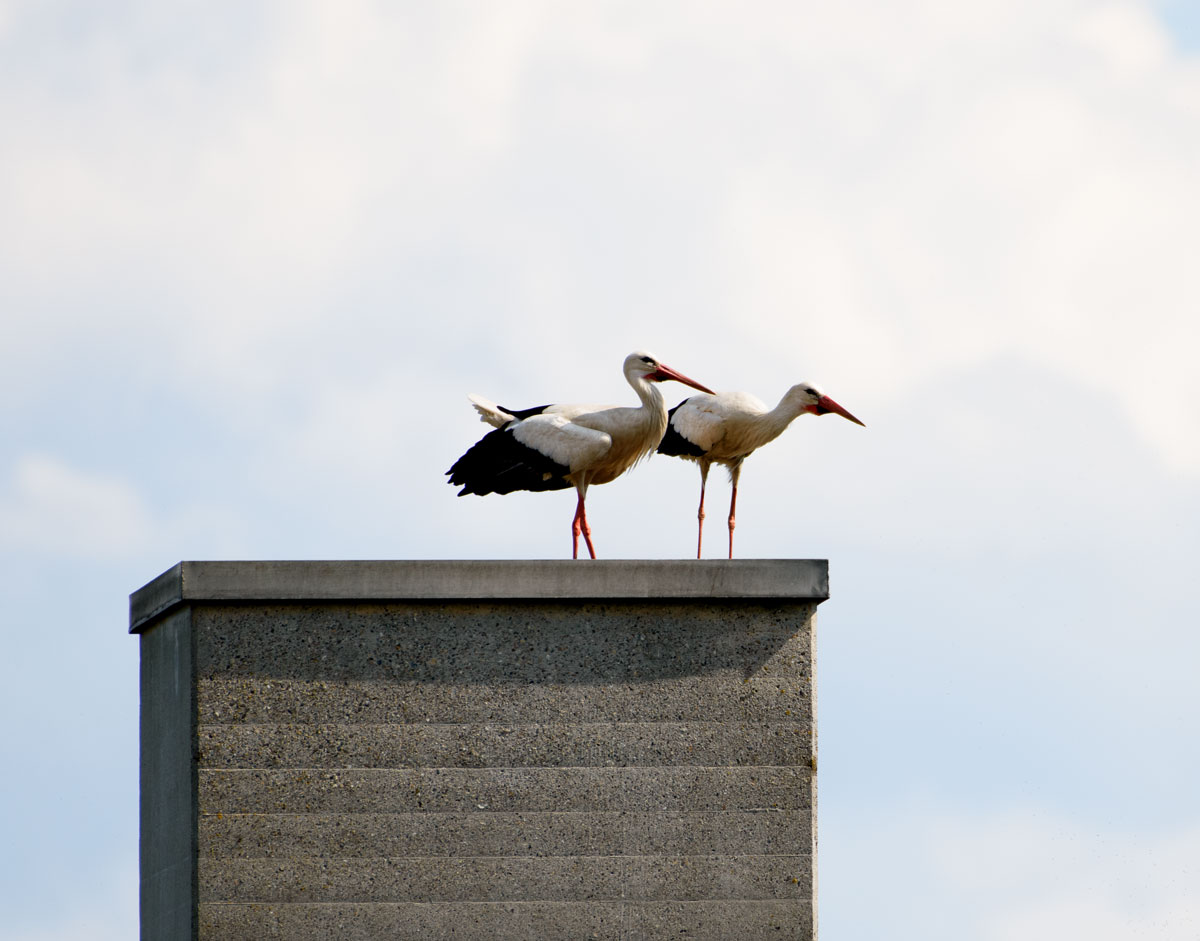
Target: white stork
(728,428)
(553,447)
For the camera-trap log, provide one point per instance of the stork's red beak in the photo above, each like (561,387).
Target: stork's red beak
(663,373)
(826,404)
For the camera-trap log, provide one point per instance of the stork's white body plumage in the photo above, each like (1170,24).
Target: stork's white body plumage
(599,441)
(727,428)
(553,447)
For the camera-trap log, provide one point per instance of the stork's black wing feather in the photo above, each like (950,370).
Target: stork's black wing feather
(675,444)
(499,463)
(523,413)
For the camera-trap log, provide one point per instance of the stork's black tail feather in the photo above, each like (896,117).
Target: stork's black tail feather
(499,463)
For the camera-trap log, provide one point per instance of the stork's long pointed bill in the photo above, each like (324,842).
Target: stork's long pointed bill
(663,373)
(826,404)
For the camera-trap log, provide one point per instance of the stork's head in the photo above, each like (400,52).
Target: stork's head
(646,366)
(811,399)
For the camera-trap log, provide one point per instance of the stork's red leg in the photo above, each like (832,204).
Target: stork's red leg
(732,504)
(700,513)
(580,525)
(587,530)
(734,473)
(575,528)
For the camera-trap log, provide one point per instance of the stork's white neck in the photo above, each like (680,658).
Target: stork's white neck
(770,425)
(648,392)
(653,413)
(789,409)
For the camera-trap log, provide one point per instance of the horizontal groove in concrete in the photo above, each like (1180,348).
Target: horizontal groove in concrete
(505,878)
(471,745)
(506,833)
(635,789)
(509,921)
(719,697)
(790,579)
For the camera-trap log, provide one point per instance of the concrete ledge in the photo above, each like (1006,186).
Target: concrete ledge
(719,580)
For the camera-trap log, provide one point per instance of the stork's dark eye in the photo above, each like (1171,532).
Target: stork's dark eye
(648,360)
(811,391)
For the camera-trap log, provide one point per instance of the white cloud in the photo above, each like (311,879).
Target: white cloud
(1009,876)
(213,212)
(1128,35)
(52,507)
(871,195)
(1039,879)
(1032,208)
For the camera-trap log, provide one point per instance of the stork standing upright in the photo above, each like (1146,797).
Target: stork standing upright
(729,427)
(553,447)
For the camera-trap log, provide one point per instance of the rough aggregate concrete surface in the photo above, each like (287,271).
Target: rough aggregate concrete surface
(495,769)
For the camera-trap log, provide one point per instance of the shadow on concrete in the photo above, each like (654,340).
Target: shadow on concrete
(518,643)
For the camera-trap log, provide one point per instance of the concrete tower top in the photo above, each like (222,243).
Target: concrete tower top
(625,579)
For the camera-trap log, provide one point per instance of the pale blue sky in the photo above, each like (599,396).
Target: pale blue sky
(1181,18)
(254,256)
